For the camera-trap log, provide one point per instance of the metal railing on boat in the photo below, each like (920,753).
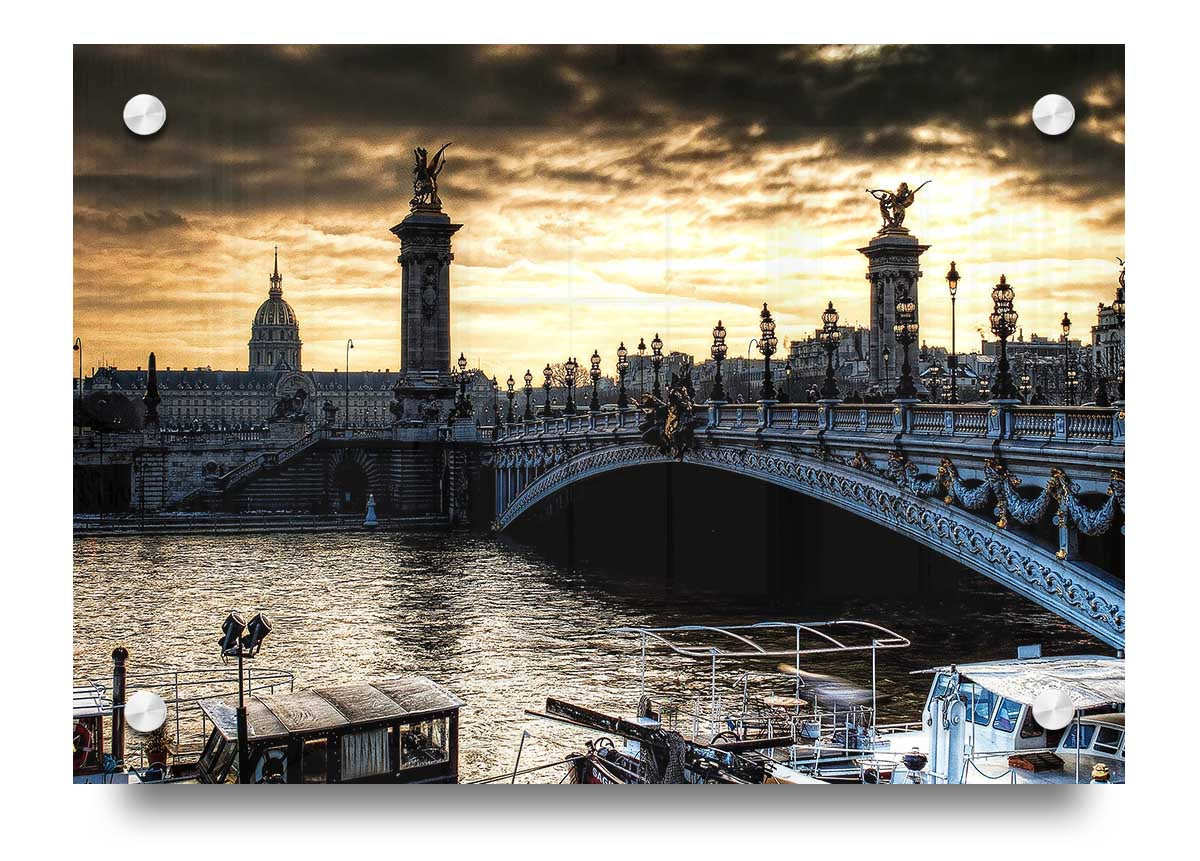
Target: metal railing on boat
(188,687)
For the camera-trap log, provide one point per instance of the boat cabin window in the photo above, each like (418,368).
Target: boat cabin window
(1108,739)
(1030,728)
(1086,731)
(940,685)
(424,743)
(365,753)
(979,702)
(315,761)
(1007,715)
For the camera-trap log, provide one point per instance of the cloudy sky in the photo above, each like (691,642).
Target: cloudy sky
(607,193)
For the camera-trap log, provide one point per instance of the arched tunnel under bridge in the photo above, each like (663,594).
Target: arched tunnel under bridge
(690,527)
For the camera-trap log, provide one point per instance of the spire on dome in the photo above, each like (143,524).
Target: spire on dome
(276,278)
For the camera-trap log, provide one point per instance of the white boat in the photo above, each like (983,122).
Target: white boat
(978,726)
(765,733)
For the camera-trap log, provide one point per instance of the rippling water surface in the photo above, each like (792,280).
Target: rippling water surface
(494,622)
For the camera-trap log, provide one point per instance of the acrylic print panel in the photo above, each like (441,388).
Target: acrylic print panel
(599,414)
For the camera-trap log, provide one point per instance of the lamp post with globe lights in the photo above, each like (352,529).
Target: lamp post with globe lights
(1068,384)
(528,416)
(830,336)
(569,370)
(656,359)
(546,373)
(512,393)
(1003,321)
(952,279)
(718,352)
(622,370)
(767,344)
(641,348)
(906,330)
(594,406)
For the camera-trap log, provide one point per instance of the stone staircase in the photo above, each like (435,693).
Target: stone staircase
(215,490)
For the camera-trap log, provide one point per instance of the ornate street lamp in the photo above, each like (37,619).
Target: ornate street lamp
(952,278)
(78,348)
(656,359)
(906,330)
(1066,330)
(546,385)
(983,388)
(718,352)
(463,409)
(641,348)
(495,402)
(829,337)
(569,370)
(766,345)
(622,369)
(887,379)
(349,347)
(594,406)
(243,641)
(512,393)
(528,396)
(787,380)
(1026,384)
(1003,320)
(935,384)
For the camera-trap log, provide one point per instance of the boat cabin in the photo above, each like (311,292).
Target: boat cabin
(398,730)
(978,718)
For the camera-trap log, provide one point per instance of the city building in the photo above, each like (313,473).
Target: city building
(275,335)
(203,398)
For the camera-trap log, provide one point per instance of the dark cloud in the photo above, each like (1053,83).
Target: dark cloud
(261,126)
(136,223)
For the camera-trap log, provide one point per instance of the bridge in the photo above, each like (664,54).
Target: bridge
(979,483)
(1032,497)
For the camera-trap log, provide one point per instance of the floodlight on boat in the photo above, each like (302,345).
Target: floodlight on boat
(256,632)
(145,711)
(231,632)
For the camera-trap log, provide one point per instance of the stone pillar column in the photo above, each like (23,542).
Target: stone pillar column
(424,259)
(894,257)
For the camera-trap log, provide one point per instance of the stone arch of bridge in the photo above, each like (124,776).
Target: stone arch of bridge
(1075,591)
(353,476)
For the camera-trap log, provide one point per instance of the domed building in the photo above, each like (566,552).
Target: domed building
(275,334)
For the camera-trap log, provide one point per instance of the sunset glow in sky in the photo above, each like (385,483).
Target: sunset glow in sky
(606,193)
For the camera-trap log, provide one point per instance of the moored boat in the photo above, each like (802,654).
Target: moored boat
(979,725)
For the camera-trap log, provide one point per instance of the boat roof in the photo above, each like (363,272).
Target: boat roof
(752,641)
(1089,680)
(323,709)
(90,701)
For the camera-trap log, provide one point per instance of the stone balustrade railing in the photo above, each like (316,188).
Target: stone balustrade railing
(996,420)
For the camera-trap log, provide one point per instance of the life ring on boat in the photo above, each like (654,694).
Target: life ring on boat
(604,745)
(271,767)
(81,740)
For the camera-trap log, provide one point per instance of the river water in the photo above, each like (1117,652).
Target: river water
(493,621)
